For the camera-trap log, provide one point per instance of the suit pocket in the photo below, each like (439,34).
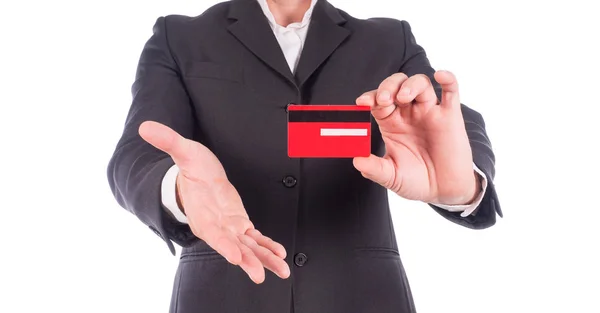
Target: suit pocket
(204,282)
(212,71)
(200,256)
(377,252)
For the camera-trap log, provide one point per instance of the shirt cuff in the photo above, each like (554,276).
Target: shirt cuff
(468,209)
(169,195)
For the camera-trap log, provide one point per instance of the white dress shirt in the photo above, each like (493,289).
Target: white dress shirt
(291,39)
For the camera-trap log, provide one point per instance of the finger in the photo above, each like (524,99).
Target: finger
(379,112)
(251,264)
(377,169)
(166,139)
(450,95)
(417,88)
(388,88)
(385,102)
(224,242)
(266,257)
(367,98)
(381,100)
(267,242)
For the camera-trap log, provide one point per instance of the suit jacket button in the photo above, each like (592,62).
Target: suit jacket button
(300,259)
(289,181)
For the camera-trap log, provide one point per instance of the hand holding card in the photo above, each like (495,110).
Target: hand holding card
(329,131)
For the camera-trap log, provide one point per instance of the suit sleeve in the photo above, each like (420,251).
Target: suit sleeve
(136,169)
(484,216)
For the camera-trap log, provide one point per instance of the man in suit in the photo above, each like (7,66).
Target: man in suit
(203,163)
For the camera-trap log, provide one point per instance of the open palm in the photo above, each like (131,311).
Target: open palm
(213,206)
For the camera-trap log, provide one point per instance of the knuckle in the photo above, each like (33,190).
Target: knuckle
(421,79)
(393,81)
(426,80)
(400,76)
(384,84)
(423,76)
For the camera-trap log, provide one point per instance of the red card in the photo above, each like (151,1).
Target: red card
(329,131)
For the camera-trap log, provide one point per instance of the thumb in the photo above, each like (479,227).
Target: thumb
(166,139)
(377,169)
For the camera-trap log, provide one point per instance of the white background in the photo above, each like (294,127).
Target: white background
(530,67)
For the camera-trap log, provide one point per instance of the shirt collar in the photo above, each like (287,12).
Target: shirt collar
(305,20)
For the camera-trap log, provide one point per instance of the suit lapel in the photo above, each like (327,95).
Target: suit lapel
(253,30)
(325,34)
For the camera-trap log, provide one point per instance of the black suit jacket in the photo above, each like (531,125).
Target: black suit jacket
(221,79)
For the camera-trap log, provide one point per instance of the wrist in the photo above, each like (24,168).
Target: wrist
(475,190)
(466,197)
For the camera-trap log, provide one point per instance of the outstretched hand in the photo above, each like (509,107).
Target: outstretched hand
(213,206)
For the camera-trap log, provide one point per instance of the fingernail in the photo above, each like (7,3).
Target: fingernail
(384,96)
(405,92)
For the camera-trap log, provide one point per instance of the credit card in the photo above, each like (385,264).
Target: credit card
(329,131)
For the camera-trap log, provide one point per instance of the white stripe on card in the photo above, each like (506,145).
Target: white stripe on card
(343,131)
